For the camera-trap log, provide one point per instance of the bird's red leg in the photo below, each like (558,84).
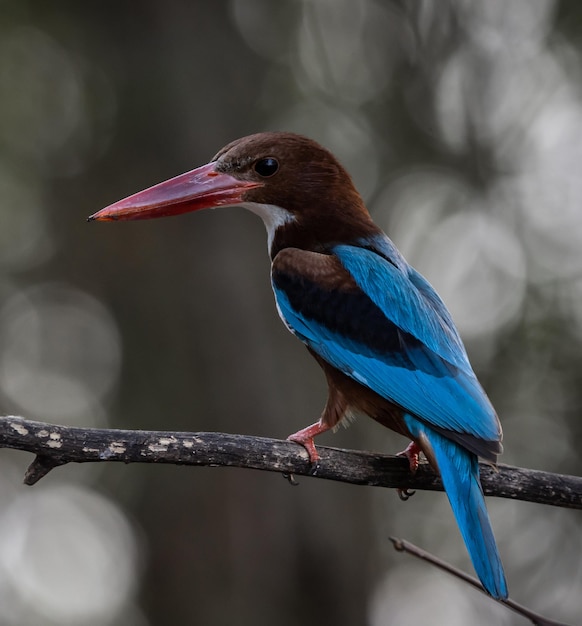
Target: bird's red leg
(305,438)
(334,411)
(411,452)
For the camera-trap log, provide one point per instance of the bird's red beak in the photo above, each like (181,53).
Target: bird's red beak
(202,188)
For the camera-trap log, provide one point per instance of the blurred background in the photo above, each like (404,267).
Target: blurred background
(461,122)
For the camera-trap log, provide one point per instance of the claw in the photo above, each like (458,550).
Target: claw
(411,453)
(405,494)
(290,478)
(314,469)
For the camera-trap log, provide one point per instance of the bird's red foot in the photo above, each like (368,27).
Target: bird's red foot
(305,438)
(412,453)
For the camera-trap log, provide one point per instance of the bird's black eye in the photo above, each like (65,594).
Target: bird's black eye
(266,167)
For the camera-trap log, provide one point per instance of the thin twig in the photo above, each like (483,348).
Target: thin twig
(401,545)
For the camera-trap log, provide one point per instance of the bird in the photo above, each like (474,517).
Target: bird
(384,339)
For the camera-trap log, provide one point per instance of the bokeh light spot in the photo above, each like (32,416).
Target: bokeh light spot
(60,352)
(67,556)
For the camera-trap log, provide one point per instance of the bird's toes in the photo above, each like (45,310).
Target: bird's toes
(308,445)
(412,453)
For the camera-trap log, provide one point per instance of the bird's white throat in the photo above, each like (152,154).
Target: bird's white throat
(272,215)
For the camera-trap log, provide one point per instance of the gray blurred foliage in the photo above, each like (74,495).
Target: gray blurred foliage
(461,122)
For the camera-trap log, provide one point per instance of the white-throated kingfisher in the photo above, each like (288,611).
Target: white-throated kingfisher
(381,334)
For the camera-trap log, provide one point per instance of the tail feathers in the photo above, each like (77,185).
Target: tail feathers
(459,471)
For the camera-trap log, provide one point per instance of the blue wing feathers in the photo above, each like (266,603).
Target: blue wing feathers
(354,335)
(407,299)
(383,246)
(352,316)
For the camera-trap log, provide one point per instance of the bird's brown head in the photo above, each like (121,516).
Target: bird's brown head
(298,187)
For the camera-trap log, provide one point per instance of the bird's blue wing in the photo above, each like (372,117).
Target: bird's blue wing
(370,319)
(405,297)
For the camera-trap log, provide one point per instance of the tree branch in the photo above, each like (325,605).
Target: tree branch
(57,445)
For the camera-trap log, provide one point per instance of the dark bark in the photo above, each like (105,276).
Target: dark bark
(56,445)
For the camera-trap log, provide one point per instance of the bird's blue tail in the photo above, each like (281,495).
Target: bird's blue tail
(459,471)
